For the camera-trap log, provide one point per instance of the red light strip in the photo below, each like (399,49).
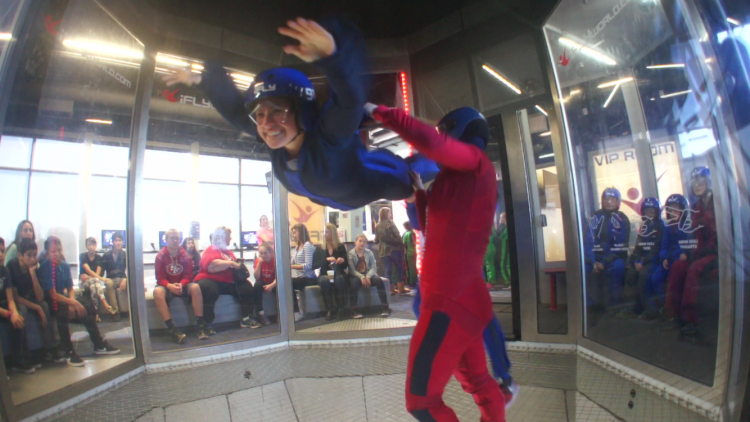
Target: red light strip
(405,93)
(419,252)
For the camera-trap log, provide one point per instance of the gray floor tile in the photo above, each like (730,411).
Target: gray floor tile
(214,409)
(269,403)
(384,398)
(155,415)
(328,399)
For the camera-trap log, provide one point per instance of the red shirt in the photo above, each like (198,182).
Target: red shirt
(210,255)
(173,270)
(267,270)
(460,207)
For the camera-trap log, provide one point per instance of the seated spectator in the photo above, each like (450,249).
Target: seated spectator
(217,278)
(391,250)
(644,262)
(503,255)
(10,316)
(303,274)
(363,273)
(265,232)
(336,259)
(675,250)
(174,278)
(25,230)
(265,278)
(189,245)
(29,297)
(115,263)
(611,236)
(57,283)
(92,281)
(410,243)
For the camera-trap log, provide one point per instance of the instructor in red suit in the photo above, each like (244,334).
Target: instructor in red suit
(456,306)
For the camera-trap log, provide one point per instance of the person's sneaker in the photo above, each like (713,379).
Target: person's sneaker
(264,319)
(356,314)
(106,349)
(648,316)
(23,368)
(178,336)
(298,316)
(689,329)
(329,316)
(625,313)
(386,312)
(116,316)
(209,330)
(248,322)
(57,356)
(202,334)
(73,359)
(510,392)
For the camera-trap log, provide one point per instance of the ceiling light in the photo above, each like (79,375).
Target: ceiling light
(545,134)
(122,62)
(170,60)
(547,156)
(101,122)
(5,36)
(611,95)
(542,110)
(103,49)
(163,70)
(196,66)
(674,94)
(241,77)
(501,79)
(734,21)
(614,83)
(196,71)
(666,66)
(588,51)
(574,92)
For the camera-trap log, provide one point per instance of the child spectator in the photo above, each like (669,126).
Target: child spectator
(189,245)
(9,315)
(92,281)
(265,274)
(115,264)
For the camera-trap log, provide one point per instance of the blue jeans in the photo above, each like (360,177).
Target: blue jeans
(395,259)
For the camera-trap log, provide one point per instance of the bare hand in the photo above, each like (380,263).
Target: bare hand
(416,181)
(236,265)
(598,267)
(340,261)
(315,43)
(123,284)
(42,318)
(182,76)
(175,289)
(17,320)
(269,287)
(683,257)
(638,266)
(366,282)
(666,264)
(330,259)
(80,310)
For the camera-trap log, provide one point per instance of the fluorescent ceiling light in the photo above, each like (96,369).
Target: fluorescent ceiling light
(171,60)
(102,122)
(103,49)
(575,92)
(674,94)
(386,137)
(666,66)
(507,83)
(614,83)
(588,51)
(547,155)
(196,66)
(163,70)
(241,77)
(5,36)
(734,21)
(542,110)
(545,134)
(611,95)
(196,71)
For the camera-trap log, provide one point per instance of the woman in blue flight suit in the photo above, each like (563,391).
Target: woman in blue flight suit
(611,235)
(315,153)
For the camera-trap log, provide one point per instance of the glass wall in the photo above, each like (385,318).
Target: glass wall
(650,144)
(63,175)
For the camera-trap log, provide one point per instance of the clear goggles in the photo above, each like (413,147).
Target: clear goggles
(271,111)
(446,126)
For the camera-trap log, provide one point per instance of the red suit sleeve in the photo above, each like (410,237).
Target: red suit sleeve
(161,270)
(421,197)
(441,148)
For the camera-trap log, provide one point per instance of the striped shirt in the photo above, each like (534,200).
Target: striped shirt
(304,257)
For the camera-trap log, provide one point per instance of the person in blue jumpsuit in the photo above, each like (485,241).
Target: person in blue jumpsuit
(610,230)
(315,153)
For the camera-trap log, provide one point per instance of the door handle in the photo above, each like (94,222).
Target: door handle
(543,220)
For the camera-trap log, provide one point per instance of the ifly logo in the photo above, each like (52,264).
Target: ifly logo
(170,95)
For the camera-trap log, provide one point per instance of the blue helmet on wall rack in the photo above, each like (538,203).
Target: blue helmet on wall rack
(466,124)
(285,82)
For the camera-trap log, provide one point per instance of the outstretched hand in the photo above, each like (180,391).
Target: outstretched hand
(315,42)
(182,77)
(416,181)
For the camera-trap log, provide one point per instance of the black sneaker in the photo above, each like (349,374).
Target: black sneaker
(356,314)
(329,316)
(210,330)
(178,336)
(264,319)
(386,312)
(689,330)
(73,359)
(202,334)
(116,316)
(57,356)
(23,368)
(248,322)
(106,349)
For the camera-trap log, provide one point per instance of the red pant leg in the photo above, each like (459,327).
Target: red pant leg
(675,286)
(476,380)
(437,347)
(692,284)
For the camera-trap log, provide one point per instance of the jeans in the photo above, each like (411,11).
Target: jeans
(355,283)
(394,260)
(330,289)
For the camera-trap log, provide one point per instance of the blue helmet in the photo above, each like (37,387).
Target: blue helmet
(651,202)
(701,171)
(611,193)
(466,124)
(676,199)
(285,82)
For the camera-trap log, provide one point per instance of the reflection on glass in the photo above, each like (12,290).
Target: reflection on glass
(647,136)
(357,266)
(63,174)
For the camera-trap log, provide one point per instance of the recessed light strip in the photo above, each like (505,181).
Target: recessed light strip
(734,21)
(611,95)
(666,66)
(542,110)
(614,83)
(545,134)
(507,83)
(5,36)
(674,94)
(547,156)
(99,121)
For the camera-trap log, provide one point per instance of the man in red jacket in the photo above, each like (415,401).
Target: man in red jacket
(174,274)
(456,306)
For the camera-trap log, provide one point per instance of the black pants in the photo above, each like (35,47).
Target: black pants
(355,283)
(62,317)
(211,290)
(18,344)
(330,290)
(300,283)
(258,296)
